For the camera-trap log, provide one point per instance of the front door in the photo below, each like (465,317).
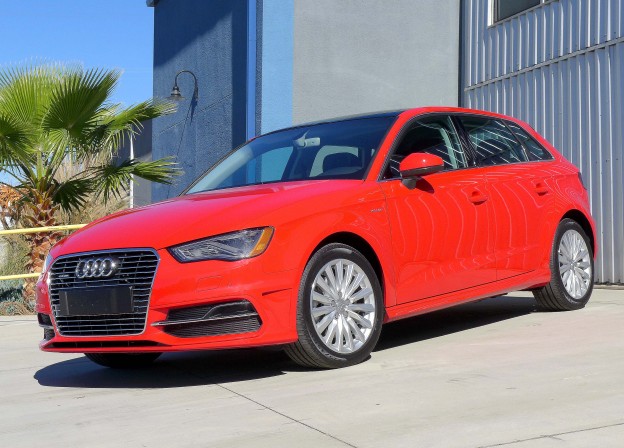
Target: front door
(442,227)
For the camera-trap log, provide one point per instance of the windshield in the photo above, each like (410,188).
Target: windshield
(338,150)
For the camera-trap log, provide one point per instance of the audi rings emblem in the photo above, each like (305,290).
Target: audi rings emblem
(97,267)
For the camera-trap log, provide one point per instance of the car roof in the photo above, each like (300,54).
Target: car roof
(456,110)
(396,113)
(380,114)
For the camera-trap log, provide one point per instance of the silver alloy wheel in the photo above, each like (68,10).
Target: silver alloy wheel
(342,305)
(574,264)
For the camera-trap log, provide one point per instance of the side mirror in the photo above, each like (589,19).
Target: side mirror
(420,164)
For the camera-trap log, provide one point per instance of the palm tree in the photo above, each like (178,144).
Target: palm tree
(55,116)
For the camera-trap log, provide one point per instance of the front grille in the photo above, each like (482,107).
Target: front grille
(136,269)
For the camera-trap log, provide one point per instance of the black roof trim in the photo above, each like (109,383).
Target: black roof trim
(381,114)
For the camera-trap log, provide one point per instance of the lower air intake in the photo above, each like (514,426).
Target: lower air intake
(212,320)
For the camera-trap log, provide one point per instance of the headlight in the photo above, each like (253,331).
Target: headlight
(228,247)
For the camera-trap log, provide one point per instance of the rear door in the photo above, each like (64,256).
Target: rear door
(521,193)
(441,228)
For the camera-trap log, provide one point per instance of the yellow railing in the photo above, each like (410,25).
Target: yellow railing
(35,230)
(19,276)
(41,229)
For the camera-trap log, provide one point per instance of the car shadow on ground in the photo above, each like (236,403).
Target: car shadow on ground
(170,370)
(219,367)
(454,319)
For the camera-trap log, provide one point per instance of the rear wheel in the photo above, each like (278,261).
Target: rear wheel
(123,360)
(340,309)
(572,270)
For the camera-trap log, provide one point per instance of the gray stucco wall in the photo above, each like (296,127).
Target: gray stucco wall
(354,56)
(210,39)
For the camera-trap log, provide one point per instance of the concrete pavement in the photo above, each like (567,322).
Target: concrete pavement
(489,374)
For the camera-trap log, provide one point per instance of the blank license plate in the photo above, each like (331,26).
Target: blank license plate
(96,301)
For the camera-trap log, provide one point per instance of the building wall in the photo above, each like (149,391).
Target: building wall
(142,190)
(330,58)
(266,64)
(141,145)
(275,56)
(210,39)
(560,67)
(354,56)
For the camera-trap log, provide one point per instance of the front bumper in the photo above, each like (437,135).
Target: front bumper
(177,285)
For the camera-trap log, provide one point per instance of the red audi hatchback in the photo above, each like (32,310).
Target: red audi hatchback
(314,236)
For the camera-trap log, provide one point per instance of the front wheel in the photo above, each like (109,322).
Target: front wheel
(572,270)
(123,360)
(339,311)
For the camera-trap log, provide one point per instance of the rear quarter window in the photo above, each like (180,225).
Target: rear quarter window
(493,142)
(534,150)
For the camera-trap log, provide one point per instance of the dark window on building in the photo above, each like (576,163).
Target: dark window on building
(493,143)
(507,8)
(534,149)
(435,135)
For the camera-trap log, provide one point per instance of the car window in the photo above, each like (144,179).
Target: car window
(493,142)
(342,149)
(330,158)
(534,150)
(268,167)
(433,135)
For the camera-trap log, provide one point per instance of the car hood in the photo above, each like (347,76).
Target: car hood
(199,215)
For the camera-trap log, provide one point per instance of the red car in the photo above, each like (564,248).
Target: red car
(314,236)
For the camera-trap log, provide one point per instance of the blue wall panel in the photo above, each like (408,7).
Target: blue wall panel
(277,64)
(210,39)
(252,66)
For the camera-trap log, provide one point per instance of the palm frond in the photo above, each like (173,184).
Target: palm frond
(112,179)
(73,194)
(15,139)
(117,124)
(75,101)
(25,92)
(56,119)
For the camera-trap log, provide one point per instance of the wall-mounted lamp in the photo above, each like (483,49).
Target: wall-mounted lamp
(176,95)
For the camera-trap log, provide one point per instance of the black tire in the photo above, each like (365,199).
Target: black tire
(123,360)
(553,296)
(310,350)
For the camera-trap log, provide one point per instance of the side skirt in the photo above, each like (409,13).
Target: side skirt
(517,283)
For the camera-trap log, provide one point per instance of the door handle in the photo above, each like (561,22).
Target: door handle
(476,197)
(541,188)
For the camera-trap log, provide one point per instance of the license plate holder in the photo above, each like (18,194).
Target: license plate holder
(109,300)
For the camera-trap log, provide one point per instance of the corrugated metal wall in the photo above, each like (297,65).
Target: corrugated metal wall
(560,67)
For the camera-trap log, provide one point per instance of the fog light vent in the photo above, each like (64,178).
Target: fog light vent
(44,320)
(212,320)
(48,334)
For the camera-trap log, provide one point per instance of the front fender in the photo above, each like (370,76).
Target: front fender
(363,215)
